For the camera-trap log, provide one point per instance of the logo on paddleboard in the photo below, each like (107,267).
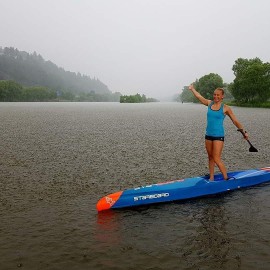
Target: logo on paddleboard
(150,197)
(109,200)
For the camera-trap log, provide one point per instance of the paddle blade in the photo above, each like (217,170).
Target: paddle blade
(253,149)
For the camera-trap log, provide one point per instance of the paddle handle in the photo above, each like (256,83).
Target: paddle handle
(242,131)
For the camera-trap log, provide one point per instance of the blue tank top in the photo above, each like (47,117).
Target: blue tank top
(215,120)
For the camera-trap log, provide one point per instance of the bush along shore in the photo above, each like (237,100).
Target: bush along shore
(136,99)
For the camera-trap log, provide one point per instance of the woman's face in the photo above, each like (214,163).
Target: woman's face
(218,96)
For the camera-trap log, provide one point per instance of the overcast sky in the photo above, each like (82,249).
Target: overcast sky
(152,47)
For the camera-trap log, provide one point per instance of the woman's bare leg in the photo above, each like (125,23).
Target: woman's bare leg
(216,153)
(211,162)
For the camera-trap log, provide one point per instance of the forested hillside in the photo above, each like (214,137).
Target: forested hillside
(32,70)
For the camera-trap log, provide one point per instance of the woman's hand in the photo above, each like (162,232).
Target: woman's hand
(244,133)
(191,87)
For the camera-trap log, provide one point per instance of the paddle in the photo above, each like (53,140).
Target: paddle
(252,148)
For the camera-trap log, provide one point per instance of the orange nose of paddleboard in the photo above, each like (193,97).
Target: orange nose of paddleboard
(108,201)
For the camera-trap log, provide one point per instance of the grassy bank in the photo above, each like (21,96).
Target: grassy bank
(250,104)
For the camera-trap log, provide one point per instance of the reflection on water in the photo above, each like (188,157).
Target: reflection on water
(108,229)
(197,236)
(211,240)
(58,159)
(204,242)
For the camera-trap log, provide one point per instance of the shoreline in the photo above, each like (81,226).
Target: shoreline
(265,105)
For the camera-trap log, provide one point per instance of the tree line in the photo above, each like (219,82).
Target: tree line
(12,91)
(251,86)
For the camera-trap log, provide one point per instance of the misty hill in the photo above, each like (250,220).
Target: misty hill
(32,70)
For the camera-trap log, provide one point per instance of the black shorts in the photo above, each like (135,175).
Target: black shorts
(212,138)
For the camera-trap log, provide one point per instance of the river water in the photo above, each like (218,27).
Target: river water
(58,159)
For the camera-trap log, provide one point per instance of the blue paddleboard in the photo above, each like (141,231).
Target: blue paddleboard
(182,189)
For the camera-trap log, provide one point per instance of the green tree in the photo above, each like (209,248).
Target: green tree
(186,95)
(207,84)
(38,93)
(10,91)
(252,80)
(136,99)
(144,99)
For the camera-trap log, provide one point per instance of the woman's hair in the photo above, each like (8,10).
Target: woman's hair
(221,89)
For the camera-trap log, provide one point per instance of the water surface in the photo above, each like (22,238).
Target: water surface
(58,159)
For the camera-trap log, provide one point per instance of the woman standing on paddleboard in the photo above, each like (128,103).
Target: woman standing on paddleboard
(214,138)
